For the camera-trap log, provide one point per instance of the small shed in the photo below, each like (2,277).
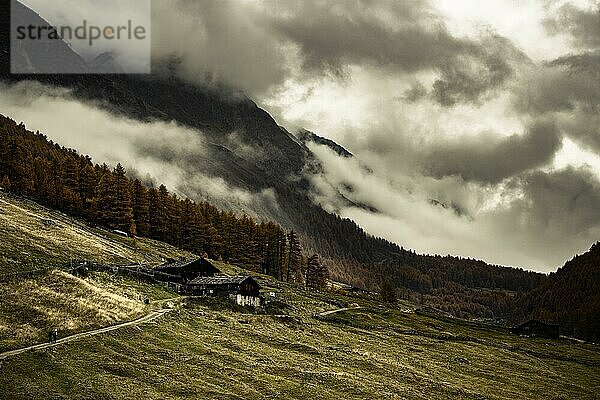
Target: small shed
(185,271)
(535,328)
(244,290)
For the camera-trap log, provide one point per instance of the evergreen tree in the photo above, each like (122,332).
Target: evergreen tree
(123,210)
(164,213)
(87,183)
(31,165)
(294,259)
(5,183)
(316,273)
(106,200)
(141,208)
(387,293)
(42,179)
(156,215)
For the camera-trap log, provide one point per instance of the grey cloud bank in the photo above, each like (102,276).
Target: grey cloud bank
(161,152)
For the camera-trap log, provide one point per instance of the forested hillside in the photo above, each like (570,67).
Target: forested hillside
(278,163)
(60,178)
(570,297)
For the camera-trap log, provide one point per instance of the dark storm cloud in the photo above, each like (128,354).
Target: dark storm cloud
(470,79)
(582,25)
(399,37)
(332,35)
(221,42)
(562,85)
(565,201)
(256,47)
(569,89)
(486,158)
(585,63)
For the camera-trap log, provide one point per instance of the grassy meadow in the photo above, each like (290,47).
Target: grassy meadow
(30,308)
(208,348)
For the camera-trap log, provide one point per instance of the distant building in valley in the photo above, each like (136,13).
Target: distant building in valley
(535,328)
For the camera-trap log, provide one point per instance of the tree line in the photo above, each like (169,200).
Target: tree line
(356,257)
(60,178)
(570,297)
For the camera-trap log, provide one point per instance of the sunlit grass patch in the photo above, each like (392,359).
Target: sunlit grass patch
(33,237)
(31,307)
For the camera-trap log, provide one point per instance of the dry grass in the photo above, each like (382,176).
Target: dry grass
(211,349)
(34,237)
(30,308)
(208,349)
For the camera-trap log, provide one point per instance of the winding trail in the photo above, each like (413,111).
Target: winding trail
(145,319)
(325,313)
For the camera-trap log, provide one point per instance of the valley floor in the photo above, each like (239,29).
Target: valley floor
(208,348)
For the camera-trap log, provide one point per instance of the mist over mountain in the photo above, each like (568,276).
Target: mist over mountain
(474,136)
(301,199)
(209,141)
(245,148)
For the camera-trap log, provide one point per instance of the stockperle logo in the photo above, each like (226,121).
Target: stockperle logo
(80,36)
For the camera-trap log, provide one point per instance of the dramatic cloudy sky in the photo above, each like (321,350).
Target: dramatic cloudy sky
(475,124)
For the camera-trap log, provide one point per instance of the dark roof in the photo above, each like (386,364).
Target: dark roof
(537,322)
(181,264)
(220,280)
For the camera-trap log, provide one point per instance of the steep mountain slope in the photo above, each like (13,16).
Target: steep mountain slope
(570,297)
(310,137)
(277,161)
(33,237)
(33,55)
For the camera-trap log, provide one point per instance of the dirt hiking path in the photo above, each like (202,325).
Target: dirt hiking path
(145,319)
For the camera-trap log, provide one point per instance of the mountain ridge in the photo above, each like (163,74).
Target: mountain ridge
(354,256)
(570,297)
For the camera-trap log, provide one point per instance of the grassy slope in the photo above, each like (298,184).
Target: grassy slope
(31,307)
(34,237)
(210,349)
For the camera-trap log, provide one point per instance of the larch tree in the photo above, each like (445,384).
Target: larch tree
(106,200)
(5,183)
(123,210)
(316,273)
(141,208)
(294,258)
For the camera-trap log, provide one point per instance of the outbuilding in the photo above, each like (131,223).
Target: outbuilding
(535,328)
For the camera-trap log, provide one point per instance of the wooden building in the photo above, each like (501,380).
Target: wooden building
(244,290)
(535,328)
(183,272)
